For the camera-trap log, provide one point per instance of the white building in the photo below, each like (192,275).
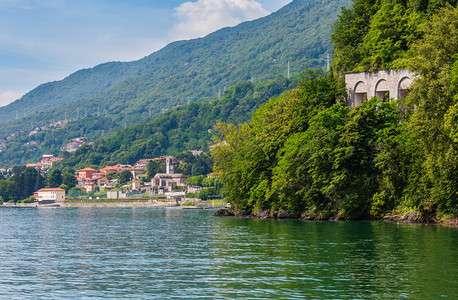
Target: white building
(49,195)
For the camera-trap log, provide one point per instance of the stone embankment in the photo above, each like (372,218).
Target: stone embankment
(119,204)
(147,203)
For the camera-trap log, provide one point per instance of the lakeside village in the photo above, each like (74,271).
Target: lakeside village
(126,183)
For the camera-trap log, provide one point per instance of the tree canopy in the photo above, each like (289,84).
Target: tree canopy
(305,153)
(379,34)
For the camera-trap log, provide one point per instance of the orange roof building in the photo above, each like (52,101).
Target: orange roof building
(86,172)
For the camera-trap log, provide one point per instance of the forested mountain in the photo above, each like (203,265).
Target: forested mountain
(235,106)
(81,84)
(181,129)
(129,93)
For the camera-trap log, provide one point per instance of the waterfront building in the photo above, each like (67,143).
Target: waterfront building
(50,195)
(167,182)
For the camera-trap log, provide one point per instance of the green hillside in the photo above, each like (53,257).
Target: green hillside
(181,129)
(129,93)
(81,84)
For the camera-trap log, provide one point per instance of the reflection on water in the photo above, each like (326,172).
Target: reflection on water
(141,252)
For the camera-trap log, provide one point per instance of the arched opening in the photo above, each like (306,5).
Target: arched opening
(360,93)
(404,87)
(382,90)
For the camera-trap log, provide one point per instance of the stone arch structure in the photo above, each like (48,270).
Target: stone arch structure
(360,91)
(386,85)
(382,90)
(404,87)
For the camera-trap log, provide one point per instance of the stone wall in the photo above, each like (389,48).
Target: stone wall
(392,84)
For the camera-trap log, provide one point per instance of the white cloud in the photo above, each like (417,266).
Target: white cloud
(8,97)
(202,17)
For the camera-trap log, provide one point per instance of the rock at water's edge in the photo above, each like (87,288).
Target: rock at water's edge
(224,212)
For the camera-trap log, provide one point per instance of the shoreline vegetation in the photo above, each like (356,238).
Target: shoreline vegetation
(412,217)
(309,151)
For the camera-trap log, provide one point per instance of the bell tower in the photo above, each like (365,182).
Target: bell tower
(169,162)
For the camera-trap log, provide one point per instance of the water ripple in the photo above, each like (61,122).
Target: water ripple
(146,253)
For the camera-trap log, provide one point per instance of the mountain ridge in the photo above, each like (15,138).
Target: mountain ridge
(184,71)
(68,91)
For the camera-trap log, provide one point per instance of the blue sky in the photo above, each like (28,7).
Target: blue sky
(47,40)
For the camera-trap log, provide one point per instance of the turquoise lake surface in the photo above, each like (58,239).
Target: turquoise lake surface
(169,253)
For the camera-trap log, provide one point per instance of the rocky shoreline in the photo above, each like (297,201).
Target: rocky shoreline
(411,217)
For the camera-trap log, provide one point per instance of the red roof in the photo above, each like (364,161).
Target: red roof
(50,190)
(86,169)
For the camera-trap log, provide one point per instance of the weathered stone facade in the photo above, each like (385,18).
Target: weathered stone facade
(392,84)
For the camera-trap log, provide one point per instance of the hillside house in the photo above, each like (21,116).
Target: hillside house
(75,144)
(85,173)
(46,162)
(136,185)
(87,179)
(91,180)
(196,152)
(142,163)
(109,170)
(193,189)
(115,169)
(90,186)
(35,131)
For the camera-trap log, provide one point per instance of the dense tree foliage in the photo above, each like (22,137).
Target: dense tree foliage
(21,185)
(54,179)
(379,34)
(304,152)
(153,167)
(192,165)
(69,180)
(124,176)
(434,101)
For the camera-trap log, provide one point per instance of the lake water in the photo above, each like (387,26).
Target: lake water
(152,253)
